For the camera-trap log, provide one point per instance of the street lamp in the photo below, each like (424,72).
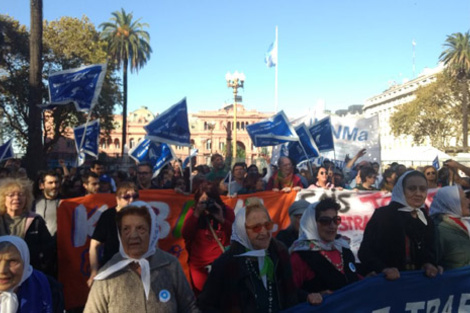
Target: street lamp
(235,81)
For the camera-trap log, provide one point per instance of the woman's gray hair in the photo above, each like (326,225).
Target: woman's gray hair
(23,184)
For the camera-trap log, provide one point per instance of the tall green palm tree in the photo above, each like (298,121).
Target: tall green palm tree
(128,46)
(457,58)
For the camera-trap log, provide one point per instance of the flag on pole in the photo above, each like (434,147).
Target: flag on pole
(89,143)
(435,163)
(272,131)
(171,127)
(6,151)
(157,154)
(271,55)
(278,152)
(322,134)
(192,154)
(305,148)
(80,86)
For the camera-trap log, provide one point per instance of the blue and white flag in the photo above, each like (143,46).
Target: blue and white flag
(435,163)
(322,135)
(80,86)
(271,55)
(6,151)
(272,131)
(171,126)
(89,143)
(192,154)
(278,152)
(157,154)
(305,148)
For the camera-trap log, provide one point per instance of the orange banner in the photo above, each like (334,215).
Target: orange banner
(77,217)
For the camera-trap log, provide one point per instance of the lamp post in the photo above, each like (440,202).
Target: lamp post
(235,81)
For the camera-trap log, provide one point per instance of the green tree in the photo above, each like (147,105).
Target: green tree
(433,115)
(128,46)
(457,58)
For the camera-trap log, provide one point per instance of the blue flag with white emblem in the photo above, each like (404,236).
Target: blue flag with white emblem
(278,152)
(157,154)
(87,143)
(192,154)
(435,163)
(171,127)
(80,86)
(272,131)
(322,134)
(6,151)
(305,148)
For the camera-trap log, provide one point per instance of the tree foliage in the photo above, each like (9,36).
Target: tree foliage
(434,115)
(67,43)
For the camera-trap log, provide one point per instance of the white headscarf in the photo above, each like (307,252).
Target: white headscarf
(9,300)
(143,262)
(447,201)
(309,239)
(398,195)
(239,235)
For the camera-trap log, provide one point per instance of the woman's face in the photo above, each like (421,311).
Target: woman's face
(259,240)
(322,175)
(11,268)
(431,174)
(327,225)
(126,197)
(464,203)
(135,235)
(416,189)
(15,201)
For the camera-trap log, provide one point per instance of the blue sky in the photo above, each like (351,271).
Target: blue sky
(338,51)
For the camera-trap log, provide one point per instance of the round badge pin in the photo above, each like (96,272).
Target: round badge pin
(352,267)
(164,295)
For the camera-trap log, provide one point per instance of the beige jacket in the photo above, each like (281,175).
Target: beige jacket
(123,291)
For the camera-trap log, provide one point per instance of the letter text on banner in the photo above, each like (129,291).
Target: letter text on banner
(273,131)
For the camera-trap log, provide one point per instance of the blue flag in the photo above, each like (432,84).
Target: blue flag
(192,154)
(279,151)
(271,55)
(171,126)
(89,143)
(322,134)
(305,148)
(435,163)
(6,151)
(155,153)
(81,86)
(273,131)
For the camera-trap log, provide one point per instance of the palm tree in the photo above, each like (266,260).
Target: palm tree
(128,45)
(457,59)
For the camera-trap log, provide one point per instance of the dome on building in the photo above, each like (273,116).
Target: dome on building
(141,115)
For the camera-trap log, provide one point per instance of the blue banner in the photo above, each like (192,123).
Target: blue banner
(279,151)
(273,131)
(155,153)
(89,144)
(435,163)
(412,292)
(322,134)
(6,151)
(80,86)
(171,126)
(192,154)
(303,149)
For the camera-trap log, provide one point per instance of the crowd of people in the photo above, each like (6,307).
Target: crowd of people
(235,263)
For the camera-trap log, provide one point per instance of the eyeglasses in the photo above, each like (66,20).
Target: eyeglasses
(430,173)
(13,194)
(326,220)
(259,227)
(143,173)
(322,173)
(128,197)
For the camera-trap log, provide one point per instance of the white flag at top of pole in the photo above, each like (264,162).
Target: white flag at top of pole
(271,56)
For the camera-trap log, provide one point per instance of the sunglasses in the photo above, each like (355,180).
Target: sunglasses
(259,227)
(430,173)
(128,197)
(326,220)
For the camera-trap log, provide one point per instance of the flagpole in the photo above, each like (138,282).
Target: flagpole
(276,101)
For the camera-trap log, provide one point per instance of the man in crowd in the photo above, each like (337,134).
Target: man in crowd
(48,202)
(238,175)
(144,176)
(91,183)
(291,233)
(218,170)
(98,167)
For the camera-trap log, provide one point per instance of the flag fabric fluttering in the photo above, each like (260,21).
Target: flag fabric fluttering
(435,163)
(171,126)
(157,154)
(322,134)
(273,131)
(271,55)
(192,154)
(80,86)
(6,150)
(305,148)
(87,142)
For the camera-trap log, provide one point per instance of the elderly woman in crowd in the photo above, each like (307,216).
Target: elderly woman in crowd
(320,179)
(141,277)
(431,176)
(321,259)
(400,236)
(16,218)
(285,178)
(106,231)
(22,289)
(206,232)
(450,213)
(255,274)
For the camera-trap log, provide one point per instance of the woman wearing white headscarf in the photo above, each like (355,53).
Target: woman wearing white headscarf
(141,277)
(450,213)
(400,236)
(255,274)
(22,289)
(321,259)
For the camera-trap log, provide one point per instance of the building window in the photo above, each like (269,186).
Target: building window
(221,146)
(208,144)
(243,125)
(238,125)
(229,125)
(131,143)
(116,144)
(103,143)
